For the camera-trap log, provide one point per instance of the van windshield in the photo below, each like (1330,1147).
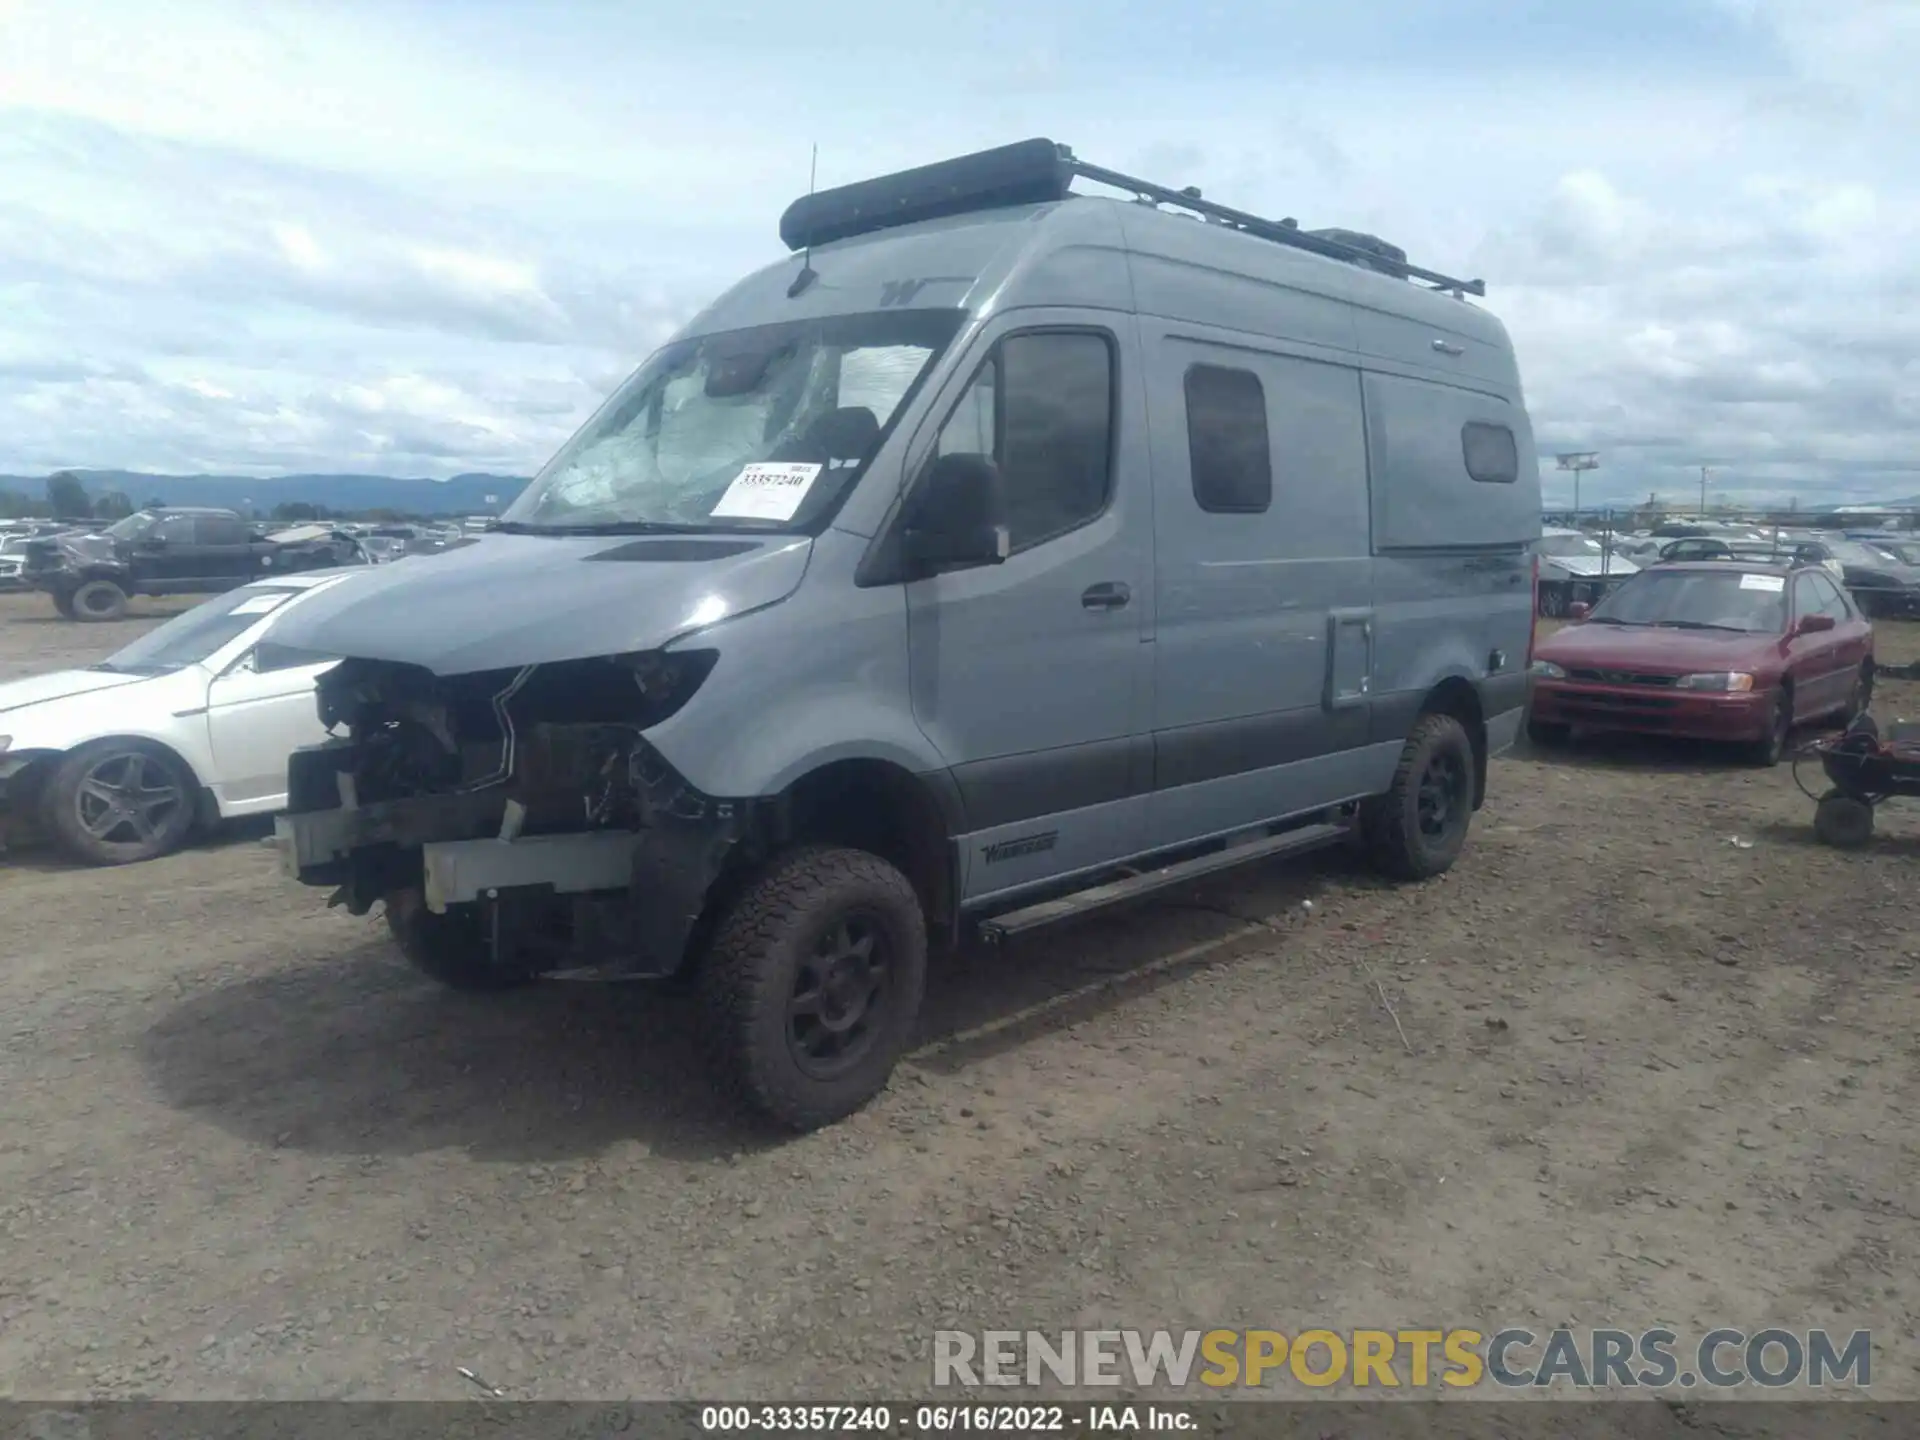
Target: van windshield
(758,429)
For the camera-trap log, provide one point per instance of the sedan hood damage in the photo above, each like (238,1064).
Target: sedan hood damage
(514,600)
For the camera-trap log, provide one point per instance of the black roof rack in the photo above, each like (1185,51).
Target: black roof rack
(1035,172)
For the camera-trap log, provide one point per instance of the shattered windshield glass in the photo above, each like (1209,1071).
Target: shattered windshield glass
(748,429)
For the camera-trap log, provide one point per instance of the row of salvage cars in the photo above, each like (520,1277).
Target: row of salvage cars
(1880,570)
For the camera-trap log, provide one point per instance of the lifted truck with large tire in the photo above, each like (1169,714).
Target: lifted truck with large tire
(176,550)
(1003,554)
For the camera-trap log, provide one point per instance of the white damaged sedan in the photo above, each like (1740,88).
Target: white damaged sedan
(190,724)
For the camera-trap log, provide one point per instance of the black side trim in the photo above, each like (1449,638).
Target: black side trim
(1012,788)
(1501,693)
(1219,748)
(1391,717)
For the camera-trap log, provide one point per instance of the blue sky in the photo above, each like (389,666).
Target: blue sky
(427,237)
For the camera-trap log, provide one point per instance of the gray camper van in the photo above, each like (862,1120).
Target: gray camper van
(1003,553)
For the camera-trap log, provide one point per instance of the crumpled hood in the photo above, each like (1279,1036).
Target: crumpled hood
(72,549)
(504,601)
(1643,649)
(61,685)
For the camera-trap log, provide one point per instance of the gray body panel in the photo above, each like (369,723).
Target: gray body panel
(1267,665)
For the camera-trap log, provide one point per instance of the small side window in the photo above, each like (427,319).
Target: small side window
(1227,445)
(1492,456)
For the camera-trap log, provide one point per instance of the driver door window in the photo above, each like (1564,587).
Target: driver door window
(1042,407)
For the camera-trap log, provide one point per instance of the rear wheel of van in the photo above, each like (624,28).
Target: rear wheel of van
(1417,829)
(99,600)
(812,982)
(451,947)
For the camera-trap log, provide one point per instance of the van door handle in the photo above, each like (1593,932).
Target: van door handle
(1108,595)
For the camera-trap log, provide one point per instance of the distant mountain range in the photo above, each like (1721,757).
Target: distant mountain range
(462,495)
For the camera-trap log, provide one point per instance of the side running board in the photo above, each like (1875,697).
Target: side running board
(1132,887)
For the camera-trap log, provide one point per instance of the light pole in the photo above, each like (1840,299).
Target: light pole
(1579,464)
(1703,492)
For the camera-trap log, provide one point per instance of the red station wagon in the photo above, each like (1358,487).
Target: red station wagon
(1715,650)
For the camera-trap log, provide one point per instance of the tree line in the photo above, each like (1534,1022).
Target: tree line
(66,498)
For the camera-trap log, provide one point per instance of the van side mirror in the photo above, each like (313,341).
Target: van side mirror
(957,516)
(1814,624)
(1579,610)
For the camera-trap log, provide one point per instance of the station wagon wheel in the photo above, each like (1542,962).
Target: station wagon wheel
(119,801)
(838,993)
(1767,750)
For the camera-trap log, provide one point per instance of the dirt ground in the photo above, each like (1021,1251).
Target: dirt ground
(1658,1067)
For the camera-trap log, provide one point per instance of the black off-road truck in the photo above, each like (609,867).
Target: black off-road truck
(173,551)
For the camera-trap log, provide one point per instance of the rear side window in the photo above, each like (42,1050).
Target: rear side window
(1227,443)
(1492,456)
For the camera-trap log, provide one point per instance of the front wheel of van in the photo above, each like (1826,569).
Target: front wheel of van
(812,983)
(1417,829)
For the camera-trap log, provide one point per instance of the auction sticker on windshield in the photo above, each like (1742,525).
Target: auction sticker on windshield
(766,491)
(1772,584)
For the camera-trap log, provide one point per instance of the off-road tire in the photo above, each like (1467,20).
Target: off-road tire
(99,600)
(1396,844)
(59,804)
(756,955)
(1768,751)
(63,603)
(449,948)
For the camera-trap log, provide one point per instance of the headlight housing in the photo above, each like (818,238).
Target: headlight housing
(1724,682)
(1547,670)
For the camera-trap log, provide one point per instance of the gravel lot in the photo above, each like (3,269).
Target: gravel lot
(1649,1076)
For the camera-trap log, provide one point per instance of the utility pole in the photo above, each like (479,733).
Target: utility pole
(1703,492)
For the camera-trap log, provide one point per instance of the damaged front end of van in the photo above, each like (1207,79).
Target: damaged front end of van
(512,816)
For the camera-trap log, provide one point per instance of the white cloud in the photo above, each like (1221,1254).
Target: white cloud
(431,237)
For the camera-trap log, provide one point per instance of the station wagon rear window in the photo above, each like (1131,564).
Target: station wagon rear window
(1492,456)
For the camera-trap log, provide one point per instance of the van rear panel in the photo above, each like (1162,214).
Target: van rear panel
(1450,467)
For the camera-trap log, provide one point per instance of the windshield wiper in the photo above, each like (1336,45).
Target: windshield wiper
(1611,620)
